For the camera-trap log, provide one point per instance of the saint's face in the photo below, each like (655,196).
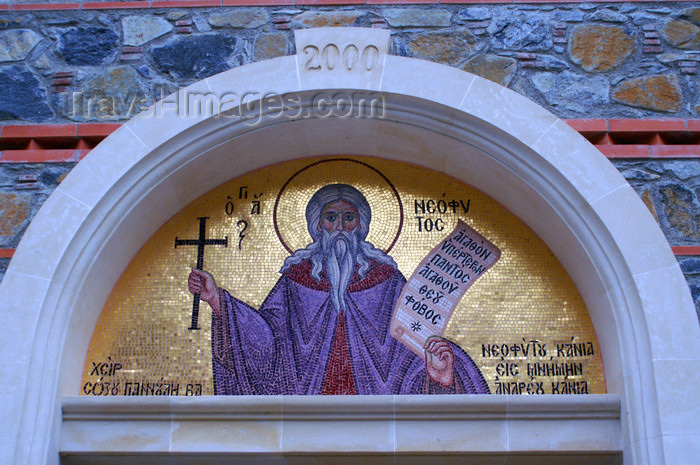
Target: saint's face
(339,216)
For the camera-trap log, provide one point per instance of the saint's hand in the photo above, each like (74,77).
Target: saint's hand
(439,361)
(202,283)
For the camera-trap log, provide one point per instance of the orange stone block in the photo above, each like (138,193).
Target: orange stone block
(658,92)
(600,48)
(14,211)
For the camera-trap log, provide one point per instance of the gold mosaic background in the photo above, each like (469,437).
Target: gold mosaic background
(527,296)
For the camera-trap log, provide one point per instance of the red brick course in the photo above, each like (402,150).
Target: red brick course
(615,138)
(7,253)
(93,5)
(686,250)
(114,5)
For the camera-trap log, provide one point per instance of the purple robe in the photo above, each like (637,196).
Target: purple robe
(284,347)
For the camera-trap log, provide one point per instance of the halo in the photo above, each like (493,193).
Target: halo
(289,214)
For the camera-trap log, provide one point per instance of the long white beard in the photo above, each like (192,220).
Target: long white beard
(339,259)
(337,254)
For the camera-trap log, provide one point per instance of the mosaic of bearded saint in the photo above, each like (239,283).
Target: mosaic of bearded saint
(324,327)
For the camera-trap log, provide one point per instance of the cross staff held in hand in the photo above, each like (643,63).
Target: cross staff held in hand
(200,243)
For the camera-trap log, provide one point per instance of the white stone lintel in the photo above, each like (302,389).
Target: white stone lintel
(393,425)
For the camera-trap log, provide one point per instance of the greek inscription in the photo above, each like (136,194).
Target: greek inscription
(507,369)
(148,388)
(428,224)
(255,204)
(423,310)
(548,369)
(570,387)
(519,387)
(532,348)
(230,207)
(108,368)
(437,279)
(440,206)
(241,233)
(193,390)
(431,294)
(426,208)
(575,349)
(478,249)
(566,376)
(101,388)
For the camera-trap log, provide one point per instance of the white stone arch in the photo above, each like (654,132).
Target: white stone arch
(450,121)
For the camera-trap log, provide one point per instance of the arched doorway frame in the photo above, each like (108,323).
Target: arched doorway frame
(453,122)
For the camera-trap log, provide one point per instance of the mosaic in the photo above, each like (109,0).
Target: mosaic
(343,275)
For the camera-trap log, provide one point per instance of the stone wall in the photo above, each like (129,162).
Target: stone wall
(599,60)
(670,189)
(631,60)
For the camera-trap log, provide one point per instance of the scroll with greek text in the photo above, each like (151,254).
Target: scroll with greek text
(431,295)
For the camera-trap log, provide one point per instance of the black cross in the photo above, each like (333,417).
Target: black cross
(200,243)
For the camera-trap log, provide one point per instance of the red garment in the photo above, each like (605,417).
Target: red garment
(339,379)
(377,274)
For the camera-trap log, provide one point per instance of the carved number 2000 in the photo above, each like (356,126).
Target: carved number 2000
(330,56)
